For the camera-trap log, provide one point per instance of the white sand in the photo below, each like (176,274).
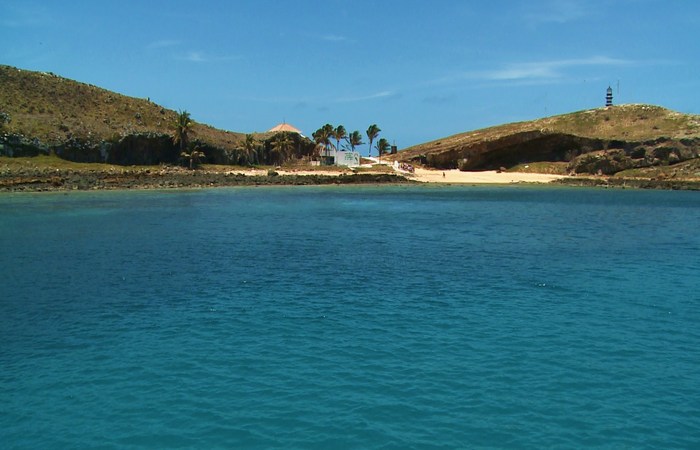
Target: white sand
(486,177)
(436,176)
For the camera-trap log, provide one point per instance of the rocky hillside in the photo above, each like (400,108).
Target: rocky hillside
(604,140)
(42,113)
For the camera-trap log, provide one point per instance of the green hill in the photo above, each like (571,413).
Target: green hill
(42,113)
(603,140)
(53,109)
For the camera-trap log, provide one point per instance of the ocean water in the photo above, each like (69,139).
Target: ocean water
(350,318)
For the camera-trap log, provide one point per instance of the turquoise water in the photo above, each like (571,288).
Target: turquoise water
(350,317)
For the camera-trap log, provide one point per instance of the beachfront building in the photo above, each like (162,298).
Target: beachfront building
(348,159)
(329,157)
(333,157)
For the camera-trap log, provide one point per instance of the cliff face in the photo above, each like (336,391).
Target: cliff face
(583,154)
(606,140)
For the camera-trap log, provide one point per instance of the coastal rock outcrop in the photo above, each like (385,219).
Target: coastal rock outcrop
(584,155)
(140,149)
(598,141)
(636,155)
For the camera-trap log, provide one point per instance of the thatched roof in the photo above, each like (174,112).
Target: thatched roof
(284,127)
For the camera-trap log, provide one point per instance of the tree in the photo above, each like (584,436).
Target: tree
(282,148)
(182,128)
(249,152)
(372,133)
(383,147)
(315,152)
(328,131)
(339,134)
(194,157)
(354,139)
(323,135)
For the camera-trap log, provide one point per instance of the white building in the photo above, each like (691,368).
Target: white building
(341,158)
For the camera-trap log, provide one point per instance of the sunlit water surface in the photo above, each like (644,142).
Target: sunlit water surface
(350,317)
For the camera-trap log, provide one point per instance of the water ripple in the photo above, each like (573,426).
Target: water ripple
(350,318)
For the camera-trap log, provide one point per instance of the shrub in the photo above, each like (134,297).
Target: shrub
(4,118)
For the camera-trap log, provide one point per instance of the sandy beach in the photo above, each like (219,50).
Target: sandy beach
(486,177)
(450,176)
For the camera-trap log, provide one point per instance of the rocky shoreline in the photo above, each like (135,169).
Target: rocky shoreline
(631,183)
(45,179)
(51,179)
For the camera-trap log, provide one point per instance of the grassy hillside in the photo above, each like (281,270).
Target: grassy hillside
(624,123)
(53,109)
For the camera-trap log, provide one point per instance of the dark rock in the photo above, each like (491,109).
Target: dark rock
(13,145)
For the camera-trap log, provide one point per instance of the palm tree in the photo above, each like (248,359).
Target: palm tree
(282,147)
(316,152)
(194,157)
(322,137)
(318,139)
(328,132)
(339,133)
(383,147)
(250,149)
(182,127)
(372,133)
(354,139)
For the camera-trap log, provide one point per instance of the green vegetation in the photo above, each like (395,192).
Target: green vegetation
(683,170)
(42,113)
(601,141)
(554,168)
(248,153)
(339,134)
(182,129)
(45,162)
(354,139)
(383,147)
(372,133)
(53,110)
(322,137)
(193,157)
(4,119)
(623,123)
(282,148)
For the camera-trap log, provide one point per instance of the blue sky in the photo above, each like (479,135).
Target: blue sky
(421,70)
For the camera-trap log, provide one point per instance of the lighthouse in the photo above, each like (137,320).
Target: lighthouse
(608,97)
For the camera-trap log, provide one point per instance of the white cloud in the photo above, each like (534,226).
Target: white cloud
(546,69)
(194,57)
(533,72)
(377,95)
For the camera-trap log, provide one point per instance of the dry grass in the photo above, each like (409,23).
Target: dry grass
(53,109)
(687,170)
(54,162)
(378,168)
(624,122)
(552,168)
